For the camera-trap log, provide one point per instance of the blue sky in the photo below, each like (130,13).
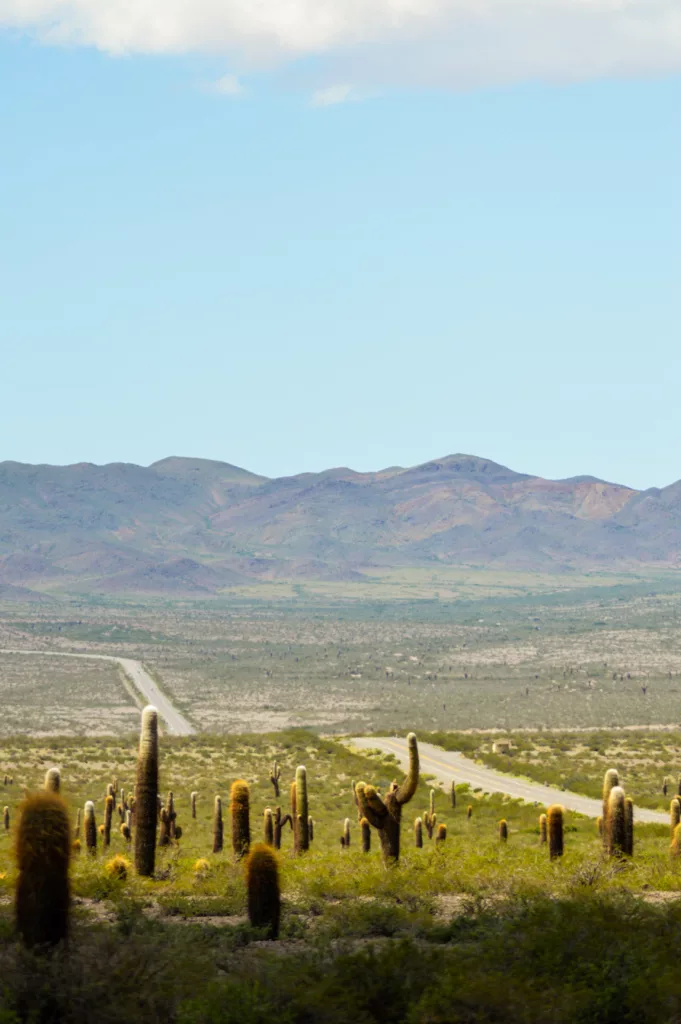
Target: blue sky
(249,271)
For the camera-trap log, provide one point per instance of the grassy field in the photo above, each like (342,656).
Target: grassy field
(430,939)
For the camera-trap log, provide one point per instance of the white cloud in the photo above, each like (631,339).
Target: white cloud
(374,43)
(328,97)
(228,85)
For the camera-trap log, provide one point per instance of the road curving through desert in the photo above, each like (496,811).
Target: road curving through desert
(141,681)
(447,764)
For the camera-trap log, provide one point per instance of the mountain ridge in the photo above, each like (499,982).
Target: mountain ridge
(192,525)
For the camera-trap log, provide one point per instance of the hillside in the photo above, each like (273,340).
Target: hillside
(196,526)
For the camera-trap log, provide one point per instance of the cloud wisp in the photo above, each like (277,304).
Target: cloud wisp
(379,43)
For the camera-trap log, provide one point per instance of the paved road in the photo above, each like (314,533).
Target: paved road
(142,682)
(446,764)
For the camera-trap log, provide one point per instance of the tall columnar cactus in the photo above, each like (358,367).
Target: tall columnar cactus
(146,802)
(542,828)
(268,819)
(262,882)
(43,851)
(108,816)
(629,827)
(76,828)
(310,828)
(616,831)
(5,818)
(675,848)
(53,780)
(275,775)
(279,823)
(674,813)
(346,832)
(218,829)
(555,827)
(610,780)
(172,814)
(294,815)
(302,811)
(90,828)
(193,799)
(365,833)
(385,814)
(418,833)
(452,794)
(430,817)
(441,833)
(239,803)
(503,830)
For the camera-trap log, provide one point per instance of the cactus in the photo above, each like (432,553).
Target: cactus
(365,832)
(108,815)
(301,812)
(542,828)
(469,812)
(275,775)
(172,815)
(262,882)
(675,848)
(201,867)
(146,801)
(269,826)
(53,780)
(503,830)
(441,833)
(5,818)
(110,791)
(610,780)
(217,825)
(90,828)
(310,828)
(430,817)
(125,832)
(43,852)
(118,868)
(239,803)
(168,829)
(77,825)
(385,814)
(674,813)
(193,799)
(75,846)
(279,824)
(554,817)
(346,832)
(599,825)
(294,815)
(616,823)
(452,794)
(629,827)
(418,833)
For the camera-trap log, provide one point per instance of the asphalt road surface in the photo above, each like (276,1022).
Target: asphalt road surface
(446,765)
(142,682)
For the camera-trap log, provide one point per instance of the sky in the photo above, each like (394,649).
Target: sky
(300,234)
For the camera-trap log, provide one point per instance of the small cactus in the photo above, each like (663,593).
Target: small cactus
(53,780)
(616,822)
(430,817)
(5,818)
(76,846)
(77,825)
(610,780)
(269,826)
(469,812)
(441,833)
(118,868)
(146,801)
(239,802)
(599,825)
(125,832)
(555,828)
(201,867)
(90,828)
(193,799)
(310,828)
(503,830)
(279,823)
(365,832)
(108,815)
(217,825)
(542,828)
(418,833)
(262,882)
(43,851)
(346,832)
(275,775)
(629,827)
(452,794)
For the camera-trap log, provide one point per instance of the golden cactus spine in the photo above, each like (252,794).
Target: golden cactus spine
(146,802)
(554,817)
(43,852)
(118,868)
(503,830)
(365,833)
(262,883)
(385,813)
(302,811)
(616,822)
(418,833)
(53,780)
(542,829)
(239,803)
(218,829)
(629,827)
(610,780)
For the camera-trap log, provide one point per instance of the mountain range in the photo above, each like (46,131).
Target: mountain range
(195,526)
